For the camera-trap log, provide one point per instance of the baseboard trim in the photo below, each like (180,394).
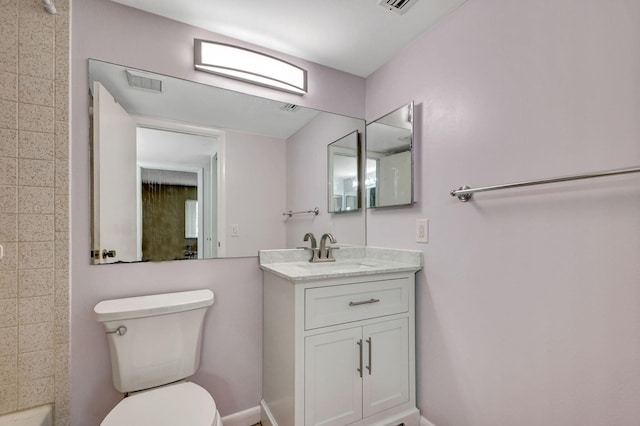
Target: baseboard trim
(248,417)
(423,422)
(251,416)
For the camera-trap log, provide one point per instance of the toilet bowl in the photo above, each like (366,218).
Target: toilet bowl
(178,404)
(154,343)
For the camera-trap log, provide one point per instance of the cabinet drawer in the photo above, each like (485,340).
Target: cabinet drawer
(339,304)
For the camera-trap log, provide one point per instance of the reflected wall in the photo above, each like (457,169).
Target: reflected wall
(307,187)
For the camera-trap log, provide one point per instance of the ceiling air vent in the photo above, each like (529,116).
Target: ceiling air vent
(397,6)
(141,81)
(289,107)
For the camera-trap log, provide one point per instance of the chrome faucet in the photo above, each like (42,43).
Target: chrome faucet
(322,254)
(325,251)
(309,236)
(315,253)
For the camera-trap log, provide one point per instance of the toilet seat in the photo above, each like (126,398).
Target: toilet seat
(185,404)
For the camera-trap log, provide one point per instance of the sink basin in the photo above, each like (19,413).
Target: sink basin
(338,265)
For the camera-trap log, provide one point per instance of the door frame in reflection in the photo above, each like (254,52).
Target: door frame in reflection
(211,239)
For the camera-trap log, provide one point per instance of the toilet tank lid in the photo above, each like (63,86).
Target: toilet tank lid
(155,304)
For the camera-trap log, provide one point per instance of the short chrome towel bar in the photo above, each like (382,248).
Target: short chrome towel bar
(290,213)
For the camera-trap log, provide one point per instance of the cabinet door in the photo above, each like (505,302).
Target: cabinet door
(333,386)
(386,372)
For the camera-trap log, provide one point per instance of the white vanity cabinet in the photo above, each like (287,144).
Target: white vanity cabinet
(357,372)
(339,350)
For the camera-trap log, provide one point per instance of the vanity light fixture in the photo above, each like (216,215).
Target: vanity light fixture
(247,65)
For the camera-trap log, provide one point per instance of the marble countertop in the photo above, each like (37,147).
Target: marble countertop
(294,265)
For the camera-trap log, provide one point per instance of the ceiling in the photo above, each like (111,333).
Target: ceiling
(354,36)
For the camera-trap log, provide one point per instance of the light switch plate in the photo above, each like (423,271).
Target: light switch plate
(422,231)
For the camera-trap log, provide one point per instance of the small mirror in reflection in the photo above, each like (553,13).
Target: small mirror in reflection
(344,177)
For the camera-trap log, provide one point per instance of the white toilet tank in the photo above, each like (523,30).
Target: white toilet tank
(155,339)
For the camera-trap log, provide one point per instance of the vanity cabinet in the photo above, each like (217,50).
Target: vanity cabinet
(355,373)
(339,350)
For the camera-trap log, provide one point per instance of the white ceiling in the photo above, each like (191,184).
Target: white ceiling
(355,36)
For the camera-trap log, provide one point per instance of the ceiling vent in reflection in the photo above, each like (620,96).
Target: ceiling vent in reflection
(396,6)
(141,81)
(289,107)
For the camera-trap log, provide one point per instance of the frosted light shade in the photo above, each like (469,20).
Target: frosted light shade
(248,65)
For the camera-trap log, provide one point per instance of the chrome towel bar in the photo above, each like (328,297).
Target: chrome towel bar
(464,193)
(290,213)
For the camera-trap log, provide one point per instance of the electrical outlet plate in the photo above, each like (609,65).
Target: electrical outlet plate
(422,231)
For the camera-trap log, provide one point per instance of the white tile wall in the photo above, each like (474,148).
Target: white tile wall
(34,207)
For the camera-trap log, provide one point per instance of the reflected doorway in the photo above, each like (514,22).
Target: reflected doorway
(177,195)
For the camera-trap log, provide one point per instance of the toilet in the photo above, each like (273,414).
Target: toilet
(154,343)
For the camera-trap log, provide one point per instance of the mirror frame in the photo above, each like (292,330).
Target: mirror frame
(334,149)
(318,127)
(390,119)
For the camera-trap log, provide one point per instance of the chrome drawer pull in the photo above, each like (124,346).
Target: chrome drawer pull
(359,370)
(370,366)
(364,302)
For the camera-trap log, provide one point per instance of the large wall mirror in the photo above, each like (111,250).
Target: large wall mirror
(183,170)
(343,160)
(389,165)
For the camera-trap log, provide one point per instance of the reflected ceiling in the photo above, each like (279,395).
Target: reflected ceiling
(209,106)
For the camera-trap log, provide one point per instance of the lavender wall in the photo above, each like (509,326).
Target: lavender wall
(528,305)
(232,351)
(528,302)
